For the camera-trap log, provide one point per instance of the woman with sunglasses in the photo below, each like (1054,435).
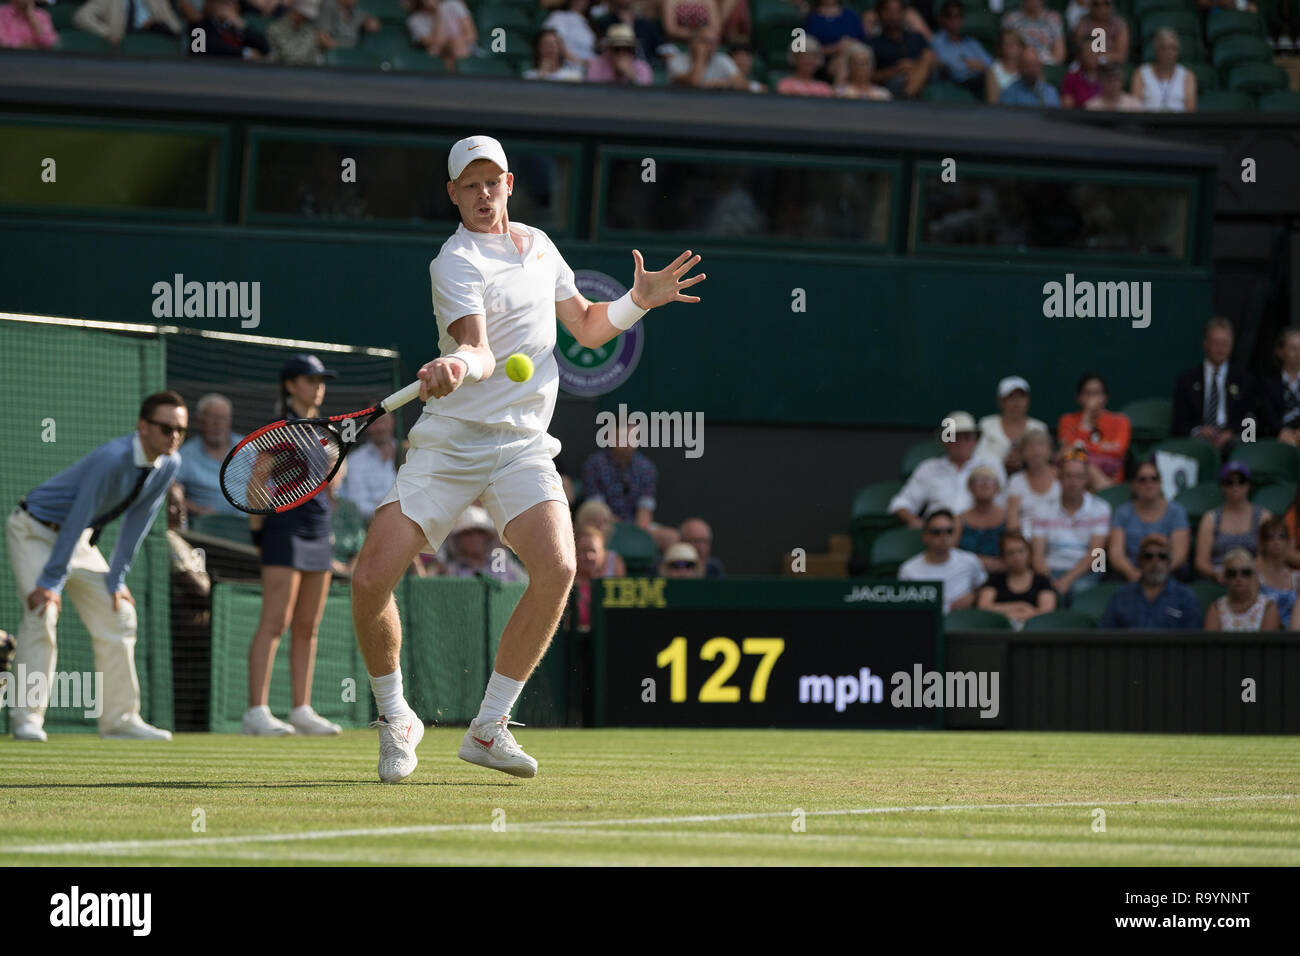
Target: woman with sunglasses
(297,556)
(1234,524)
(1243,608)
(1149,512)
(982,525)
(1278,581)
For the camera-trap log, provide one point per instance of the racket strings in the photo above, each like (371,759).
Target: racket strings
(281,466)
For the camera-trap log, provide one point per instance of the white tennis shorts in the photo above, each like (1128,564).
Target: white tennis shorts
(451,462)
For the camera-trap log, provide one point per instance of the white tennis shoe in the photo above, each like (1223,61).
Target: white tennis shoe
(133,728)
(490,744)
(260,722)
(30,730)
(306,721)
(398,739)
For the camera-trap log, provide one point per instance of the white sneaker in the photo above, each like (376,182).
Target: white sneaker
(29,730)
(398,739)
(307,721)
(260,722)
(133,728)
(489,743)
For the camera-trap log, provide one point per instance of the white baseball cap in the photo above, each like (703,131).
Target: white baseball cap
(475,147)
(472,518)
(961,422)
(1010,384)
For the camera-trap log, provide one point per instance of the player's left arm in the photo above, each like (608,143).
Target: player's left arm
(589,322)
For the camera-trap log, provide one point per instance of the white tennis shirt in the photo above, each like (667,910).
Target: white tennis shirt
(485,274)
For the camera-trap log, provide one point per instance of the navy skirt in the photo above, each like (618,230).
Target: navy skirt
(282,546)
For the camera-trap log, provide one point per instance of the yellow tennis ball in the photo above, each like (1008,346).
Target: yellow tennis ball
(519,367)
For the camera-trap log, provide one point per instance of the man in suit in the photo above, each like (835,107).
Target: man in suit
(114,19)
(1211,400)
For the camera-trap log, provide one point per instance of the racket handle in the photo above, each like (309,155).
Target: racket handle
(401,397)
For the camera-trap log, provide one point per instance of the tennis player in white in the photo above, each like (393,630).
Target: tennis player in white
(498,287)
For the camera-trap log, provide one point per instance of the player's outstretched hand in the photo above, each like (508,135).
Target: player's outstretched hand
(440,377)
(652,289)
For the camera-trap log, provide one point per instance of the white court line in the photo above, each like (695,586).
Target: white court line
(120,845)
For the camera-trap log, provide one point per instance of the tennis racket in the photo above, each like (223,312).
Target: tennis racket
(287,463)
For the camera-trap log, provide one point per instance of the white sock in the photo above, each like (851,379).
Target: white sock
(501,694)
(388,694)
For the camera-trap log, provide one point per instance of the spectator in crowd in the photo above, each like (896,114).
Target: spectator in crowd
(1102,16)
(571,23)
(1041,30)
(941,482)
(618,61)
(806,63)
(913,19)
(225,33)
(1036,485)
(294,37)
(1103,435)
(342,22)
(1082,81)
(549,60)
(683,20)
(1234,524)
(372,468)
(1212,5)
(1243,608)
(835,28)
(1278,581)
(1111,95)
(444,29)
(1068,538)
(960,571)
(704,66)
(1075,11)
(1147,512)
(985,521)
(961,59)
(649,34)
(904,59)
(1019,592)
(25,26)
(681,561)
(1154,600)
(473,549)
(1280,401)
(114,19)
(202,456)
(697,533)
(624,479)
(1000,434)
(1212,400)
(1030,89)
(856,67)
(742,54)
(737,23)
(1005,68)
(594,513)
(592,562)
(1165,85)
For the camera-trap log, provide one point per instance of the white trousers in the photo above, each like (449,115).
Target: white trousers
(112,632)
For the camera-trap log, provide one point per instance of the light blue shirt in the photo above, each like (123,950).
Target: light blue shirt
(1020,93)
(201,475)
(141,15)
(953,54)
(89,489)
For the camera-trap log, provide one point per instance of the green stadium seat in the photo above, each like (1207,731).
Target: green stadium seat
(919,453)
(975,619)
(354,58)
(1054,74)
(61,15)
(416,61)
(230,527)
(1150,418)
(1222,101)
(387,42)
(1269,461)
(1279,101)
(983,26)
(938,91)
(1257,78)
(1206,79)
(257,22)
(1206,458)
(517,47)
(79,41)
(389,11)
(891,549)
(1181,21)
(1190,50)
(1068,620)
(1207,592)
(500,15)
(768,14)
(774,44)
(1144,8)
(636,547)
(873,500)
(486,66)
(151,45)
(1238,48)
(1222,23)
(1199,501)
(1116,495)
(1276,498)
(1093,602)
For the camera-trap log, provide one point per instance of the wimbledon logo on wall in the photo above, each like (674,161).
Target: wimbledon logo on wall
(588,372)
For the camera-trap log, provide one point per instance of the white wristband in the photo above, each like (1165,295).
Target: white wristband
(624,313)
(473,366)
